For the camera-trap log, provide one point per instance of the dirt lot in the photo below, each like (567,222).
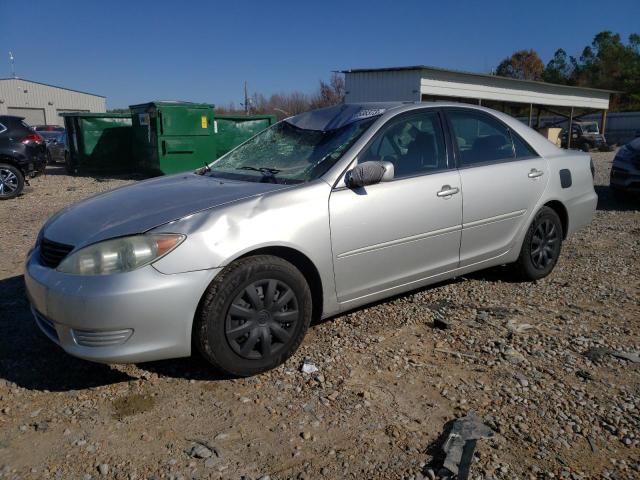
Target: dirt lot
(387,385)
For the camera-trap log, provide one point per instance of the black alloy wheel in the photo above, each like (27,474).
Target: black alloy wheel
(544,244)
(541,246)
(11,181)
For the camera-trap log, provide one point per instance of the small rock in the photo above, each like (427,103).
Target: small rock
(308,367)
(200,451)
(103,468)
(440,322)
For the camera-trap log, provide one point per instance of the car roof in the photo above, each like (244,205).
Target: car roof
(338,116)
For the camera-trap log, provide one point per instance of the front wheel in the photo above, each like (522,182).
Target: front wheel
(11,181)
(253,316)
(541,246)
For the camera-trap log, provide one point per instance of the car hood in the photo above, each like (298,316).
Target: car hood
(140,207)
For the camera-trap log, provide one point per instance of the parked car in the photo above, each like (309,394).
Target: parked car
(22,153)
(57,146)
(319,214)
(586,136)
(625,171)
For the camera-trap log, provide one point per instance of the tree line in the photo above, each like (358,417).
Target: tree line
(608,63)
(286,104)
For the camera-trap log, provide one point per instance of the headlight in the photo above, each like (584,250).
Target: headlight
(120,254)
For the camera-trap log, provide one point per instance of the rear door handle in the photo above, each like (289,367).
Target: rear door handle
(447,191)
(535,173)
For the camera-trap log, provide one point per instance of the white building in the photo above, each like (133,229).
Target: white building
(41,104)
(423,83)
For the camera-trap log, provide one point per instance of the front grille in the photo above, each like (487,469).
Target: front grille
(52,253)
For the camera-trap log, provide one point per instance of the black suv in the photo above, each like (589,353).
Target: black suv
(22,152)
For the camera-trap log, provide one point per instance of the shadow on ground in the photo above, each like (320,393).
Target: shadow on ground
(190,368)
(31,360)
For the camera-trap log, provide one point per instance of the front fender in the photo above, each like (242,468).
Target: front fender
(297,218)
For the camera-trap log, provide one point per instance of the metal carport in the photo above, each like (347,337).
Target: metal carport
(424,83)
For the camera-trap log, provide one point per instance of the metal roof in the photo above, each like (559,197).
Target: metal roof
(471,74)
(53,86)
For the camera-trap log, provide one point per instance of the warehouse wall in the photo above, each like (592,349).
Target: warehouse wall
(38,101)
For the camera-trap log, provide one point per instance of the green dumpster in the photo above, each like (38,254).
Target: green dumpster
(172,137)
(232,130)
(99,142)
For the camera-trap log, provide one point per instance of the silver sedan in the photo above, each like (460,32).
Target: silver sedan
(321,213)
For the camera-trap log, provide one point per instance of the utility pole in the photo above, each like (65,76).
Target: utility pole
(246,99)
(13,66)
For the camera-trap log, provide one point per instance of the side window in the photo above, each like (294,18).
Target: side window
(414,144)
(523,150)
(480,139)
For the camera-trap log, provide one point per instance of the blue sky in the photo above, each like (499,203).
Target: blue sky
(135,51)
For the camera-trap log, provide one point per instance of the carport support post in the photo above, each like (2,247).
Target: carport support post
(569,132)
(603,122)
(530,114)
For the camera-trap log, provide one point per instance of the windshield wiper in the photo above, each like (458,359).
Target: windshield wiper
(263,170)
(203,170)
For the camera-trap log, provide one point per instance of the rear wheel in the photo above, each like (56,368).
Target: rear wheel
(253,316)
(541,247)
(11,181)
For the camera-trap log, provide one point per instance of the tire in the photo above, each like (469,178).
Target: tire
(69,168)
(541,246)
(244,325)
(11,181)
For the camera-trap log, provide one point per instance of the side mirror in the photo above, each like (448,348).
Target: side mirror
(369,173)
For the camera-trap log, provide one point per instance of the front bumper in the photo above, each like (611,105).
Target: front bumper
(137,316)
(623,178)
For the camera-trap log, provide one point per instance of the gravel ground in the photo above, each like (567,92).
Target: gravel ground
(532,359)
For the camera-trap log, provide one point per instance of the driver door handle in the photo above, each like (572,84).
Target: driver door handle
(535,173)
(447,191)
